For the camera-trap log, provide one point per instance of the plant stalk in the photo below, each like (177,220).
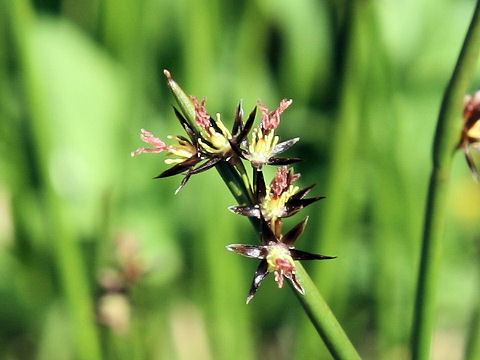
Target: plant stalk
(323,319)
(447,136)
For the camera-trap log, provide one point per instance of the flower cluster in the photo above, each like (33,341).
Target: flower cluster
(207,144)
(210,143)
(471,130)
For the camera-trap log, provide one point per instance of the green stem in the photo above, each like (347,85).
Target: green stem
(323,319)
(447,136)
(237,187)
(235,183)
(243,174)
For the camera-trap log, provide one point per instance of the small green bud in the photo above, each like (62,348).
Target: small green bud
(184,101)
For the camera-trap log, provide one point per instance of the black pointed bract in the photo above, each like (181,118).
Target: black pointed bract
(214,124)
(238,122)
(290,237)
(251,211)
(260,188)
(205,166)
(247,127)
(180,168)
(252,251)
(296,284)
(285,145)
(304,192)
(471,163)
(304,255)
(182,184)
(267,234)
(186,126)
(295,205)
(260,274)
(282,161)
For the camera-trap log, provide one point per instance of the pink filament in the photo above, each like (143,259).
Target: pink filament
(201,116)
(149,138)
(270,121)
(280,182)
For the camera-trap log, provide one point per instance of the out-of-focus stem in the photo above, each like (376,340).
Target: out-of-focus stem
(473,346)
(73,274)
(447,135)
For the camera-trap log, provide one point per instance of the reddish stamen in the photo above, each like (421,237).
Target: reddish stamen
(201,116)
(270,121)
(292,177)
(285,266)
(471,110)
(280,182)
(149,138)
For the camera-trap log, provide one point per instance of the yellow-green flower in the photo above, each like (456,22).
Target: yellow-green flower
(214,136)
(264,144)
(277,255)
(279,200)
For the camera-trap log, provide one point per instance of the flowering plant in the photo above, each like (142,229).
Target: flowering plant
(210,144)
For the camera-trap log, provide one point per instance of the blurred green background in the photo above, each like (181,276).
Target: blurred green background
(97,260)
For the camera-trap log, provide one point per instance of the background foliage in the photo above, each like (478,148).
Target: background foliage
(78,79)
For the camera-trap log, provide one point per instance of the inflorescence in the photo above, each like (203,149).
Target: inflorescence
(209,143)
(471,130)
